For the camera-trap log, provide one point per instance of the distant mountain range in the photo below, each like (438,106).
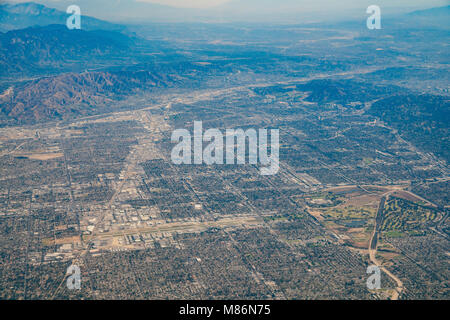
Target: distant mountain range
(22,15)
(45,50)
(72,94)
(43,66)
(436,17)
(247,11)
(443,12)
(30,14)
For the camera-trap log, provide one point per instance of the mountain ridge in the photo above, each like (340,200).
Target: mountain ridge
(29,14)
(74,94)
(42,49)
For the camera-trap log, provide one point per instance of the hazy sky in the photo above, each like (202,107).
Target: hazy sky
(188,3)
(297,3)
(288,11)
(306,3)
